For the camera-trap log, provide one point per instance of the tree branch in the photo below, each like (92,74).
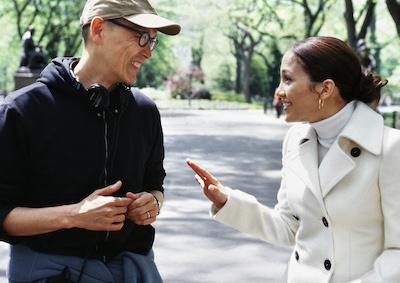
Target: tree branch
(48,21)
(394,10)
(350,23)
(367,19)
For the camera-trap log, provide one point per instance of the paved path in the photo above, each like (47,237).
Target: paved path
(242,148)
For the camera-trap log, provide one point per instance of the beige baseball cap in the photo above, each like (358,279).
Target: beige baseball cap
(139,12)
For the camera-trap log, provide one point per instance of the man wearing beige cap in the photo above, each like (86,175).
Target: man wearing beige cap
(81,177)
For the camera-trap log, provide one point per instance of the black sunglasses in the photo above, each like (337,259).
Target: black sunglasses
(144,38)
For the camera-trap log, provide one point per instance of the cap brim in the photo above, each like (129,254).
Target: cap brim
(156,22)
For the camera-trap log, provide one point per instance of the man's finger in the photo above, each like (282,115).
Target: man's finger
(121,201)
(143,199)
(110,189)
(132,195)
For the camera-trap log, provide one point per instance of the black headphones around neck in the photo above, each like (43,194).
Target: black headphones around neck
(100,99)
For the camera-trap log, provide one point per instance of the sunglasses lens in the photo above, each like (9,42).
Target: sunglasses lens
(144,39)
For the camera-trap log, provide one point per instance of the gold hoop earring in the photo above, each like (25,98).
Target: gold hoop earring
(320,104)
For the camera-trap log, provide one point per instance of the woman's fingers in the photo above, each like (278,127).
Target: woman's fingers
(203,173)
(211,187)
(217,196)
(199,180)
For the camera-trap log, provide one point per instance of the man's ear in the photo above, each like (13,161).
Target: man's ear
(326,88)
(96,29)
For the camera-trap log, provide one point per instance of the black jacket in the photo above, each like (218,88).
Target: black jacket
(53,151)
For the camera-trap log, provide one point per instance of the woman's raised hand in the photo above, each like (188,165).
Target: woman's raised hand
(212,188)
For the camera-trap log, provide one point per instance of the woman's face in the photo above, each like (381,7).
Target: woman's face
(300,100)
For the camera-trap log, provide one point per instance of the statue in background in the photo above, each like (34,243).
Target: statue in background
(33,57)
(33,61)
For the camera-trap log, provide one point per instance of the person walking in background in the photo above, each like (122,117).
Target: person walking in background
(81,171)
(278,105)
(338,204)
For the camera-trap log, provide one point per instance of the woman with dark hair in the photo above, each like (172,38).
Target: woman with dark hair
(338,204)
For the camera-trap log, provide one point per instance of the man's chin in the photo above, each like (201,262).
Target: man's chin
(130,81)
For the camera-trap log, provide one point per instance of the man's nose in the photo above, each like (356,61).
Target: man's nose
(146,51)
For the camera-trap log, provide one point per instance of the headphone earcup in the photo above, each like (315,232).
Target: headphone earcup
(99,97)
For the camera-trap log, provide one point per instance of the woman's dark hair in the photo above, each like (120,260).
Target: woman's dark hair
(324,57)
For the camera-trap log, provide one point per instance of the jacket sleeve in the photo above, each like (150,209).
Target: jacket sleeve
(13,162)
(387,265)
(155,173)
(243,212)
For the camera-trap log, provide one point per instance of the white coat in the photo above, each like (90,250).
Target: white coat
(342,217)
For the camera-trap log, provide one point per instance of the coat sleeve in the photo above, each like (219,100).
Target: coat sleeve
(387,265)
(13,152)
(244,213)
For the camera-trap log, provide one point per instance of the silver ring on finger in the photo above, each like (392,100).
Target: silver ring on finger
(148,215)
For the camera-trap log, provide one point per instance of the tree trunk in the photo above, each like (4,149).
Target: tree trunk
(246,80)
(394,10)
(368,19)
(350,24)
(246,75)
(377,47)
(238,81)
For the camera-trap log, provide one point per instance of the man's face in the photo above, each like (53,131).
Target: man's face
(122,53)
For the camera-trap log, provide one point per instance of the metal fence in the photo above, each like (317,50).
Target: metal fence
(391,113)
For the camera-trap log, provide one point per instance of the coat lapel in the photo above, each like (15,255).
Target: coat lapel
(303,162)
(334,167)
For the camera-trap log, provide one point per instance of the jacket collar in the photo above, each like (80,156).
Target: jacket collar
(365,128)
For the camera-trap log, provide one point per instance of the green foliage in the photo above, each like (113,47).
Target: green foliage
(206,25)
(56,24)
(224,79)
(388,120)
(258,79)
(10,49)
(219,95)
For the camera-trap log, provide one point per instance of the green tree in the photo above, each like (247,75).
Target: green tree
(224,80)
(364,17)
(55,21)
(258,79)
(314,15)
(394,10)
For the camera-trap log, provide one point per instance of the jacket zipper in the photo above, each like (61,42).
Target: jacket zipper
(106,148)
(107,235)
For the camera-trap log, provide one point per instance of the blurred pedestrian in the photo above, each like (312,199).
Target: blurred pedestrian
(338,204)
(278,105)
(81,171)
